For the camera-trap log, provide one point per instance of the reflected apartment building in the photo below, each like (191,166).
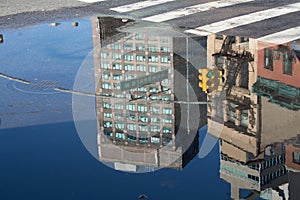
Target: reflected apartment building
(253,136)
(137,127)
(293,165)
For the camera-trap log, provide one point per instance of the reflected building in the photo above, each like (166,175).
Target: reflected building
(293,165)
(137,126)
(257,121)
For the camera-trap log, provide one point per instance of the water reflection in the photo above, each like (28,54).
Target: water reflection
(261,114)
(143,95)
(149,105)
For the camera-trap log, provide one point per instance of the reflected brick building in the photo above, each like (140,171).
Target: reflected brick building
(255,129)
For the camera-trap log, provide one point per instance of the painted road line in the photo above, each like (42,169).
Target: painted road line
(244,20)
(282,37)
(90,1)
(139,5)
(193,9)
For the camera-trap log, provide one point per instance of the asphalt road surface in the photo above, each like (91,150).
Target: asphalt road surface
(249,18)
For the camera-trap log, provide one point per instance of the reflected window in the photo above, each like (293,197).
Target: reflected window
(119,95)
(166,140)
(165,49)
(168,120)
(244,76)
(139,36)
(128,46)
(131,138)
(119,106)
(231,112)
(155,120)
(131,117)
(118,116)
(105,76)
(268,59)
(154,97)
(165,59)
(140,47)
(129,76)
(107,115)
(153,89)
(119,125)
(155,129)
(104,55)
(153,59)
(143,139)
(166,81)
(116,46)
(143,128)
(143,118)
(167,130)
(288,63)
(142,108)
(128,57)
(140,58)
(154,109)
(131,127)
(117,86)
(155,139)
(142,89)
(116,56)
(166,98)
(244,118)
(117,76)
(107,124)
(105,65)
(117,66)
(141,68)
(296,157)
(106,85)
(219,37)
(120,136)
(128,67)
(108,134)
(167,111)
(107,105)
(153,48)
(153,68)
(130,107)
(165,39)
(244,39)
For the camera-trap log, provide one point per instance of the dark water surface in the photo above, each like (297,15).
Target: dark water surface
(115,109)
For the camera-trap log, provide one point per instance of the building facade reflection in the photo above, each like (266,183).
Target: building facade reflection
(137,127)
(260,115)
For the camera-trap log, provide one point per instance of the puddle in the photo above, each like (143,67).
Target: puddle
(143,98)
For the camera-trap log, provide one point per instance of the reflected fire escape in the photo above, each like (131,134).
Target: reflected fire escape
(236,61)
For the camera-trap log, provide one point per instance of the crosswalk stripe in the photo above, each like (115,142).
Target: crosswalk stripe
(90,1)
(282,37)
(244,20)
(193,9)
(139,5)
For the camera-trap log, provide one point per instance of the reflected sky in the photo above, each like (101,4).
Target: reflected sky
(114,105)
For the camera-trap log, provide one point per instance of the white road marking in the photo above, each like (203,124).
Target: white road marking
(282,37)
(244,19)
(90,1)
(139,5)
(193,9)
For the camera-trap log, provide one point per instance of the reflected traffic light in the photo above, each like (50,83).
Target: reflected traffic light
(211,80)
